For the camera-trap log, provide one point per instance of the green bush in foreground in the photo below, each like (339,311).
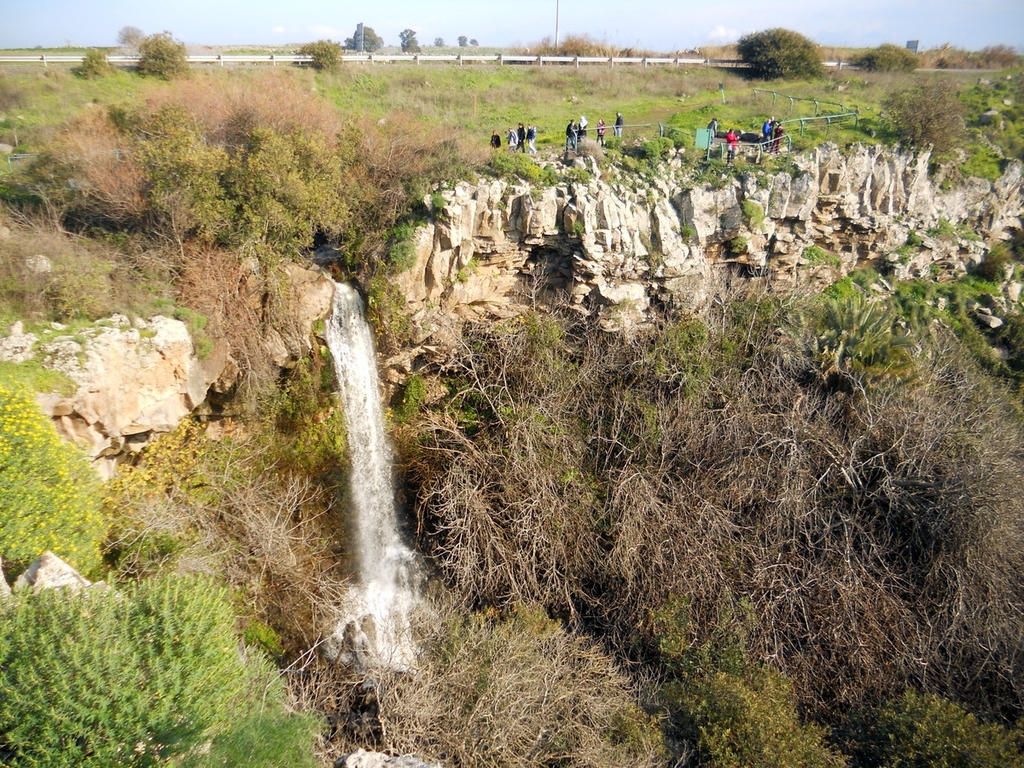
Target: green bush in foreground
(739,714)
(135,678)
(49,496)
(922,730)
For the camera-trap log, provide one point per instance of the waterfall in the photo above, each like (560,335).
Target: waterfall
(376,631)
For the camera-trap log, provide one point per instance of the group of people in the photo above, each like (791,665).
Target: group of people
(771,137)
(576,131)
(520,138)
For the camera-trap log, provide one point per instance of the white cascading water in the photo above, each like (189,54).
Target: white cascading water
(377,629)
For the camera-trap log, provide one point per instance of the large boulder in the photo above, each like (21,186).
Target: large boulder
(50,572)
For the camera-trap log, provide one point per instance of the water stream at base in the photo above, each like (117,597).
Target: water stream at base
(376,631)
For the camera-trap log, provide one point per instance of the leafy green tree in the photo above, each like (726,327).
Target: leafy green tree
(408,40)
(927,114)
(776,53)
(49,496)
(94,64)
(888,58)
(135,677)
(473,42)
(439,42)
(463,41)
(161,55)
(326,54)
(371,40)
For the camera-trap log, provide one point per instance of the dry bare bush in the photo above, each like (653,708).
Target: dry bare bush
(227,508)
(489,690)
(875,536)
(241,307)
(583,45)
(47,273)
(230,107)
(95,153)
(990,57)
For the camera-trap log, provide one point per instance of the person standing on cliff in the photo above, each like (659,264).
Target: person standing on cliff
(531,136)
(766,132)
(713,127)
(570,136)
(619,122)
(521,138)
(513,140)
(732,138)
(777,141)
(600,131)
(495,140)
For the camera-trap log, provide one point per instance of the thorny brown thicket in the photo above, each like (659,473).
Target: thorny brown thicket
(231,508)
(488,690)
(875,535)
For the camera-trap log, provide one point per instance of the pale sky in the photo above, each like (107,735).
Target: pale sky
(660,25)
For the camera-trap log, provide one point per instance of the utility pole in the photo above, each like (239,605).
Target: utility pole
(556,23)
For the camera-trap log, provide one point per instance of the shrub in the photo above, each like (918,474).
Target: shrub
(139,676)
(518,166)
(162,56)
(654,149)
(921,730)
(326,54)
(515,690)
(94,64)
(739,714)
(927,114)
(776,53)
(48,493)
(993,266)
(859,337)
(888,58)
(753,214)
(816,255)
(265,523)
(737,246)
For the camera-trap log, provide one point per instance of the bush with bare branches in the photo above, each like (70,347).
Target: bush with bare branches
(228,508)
(490,689)
(876,535)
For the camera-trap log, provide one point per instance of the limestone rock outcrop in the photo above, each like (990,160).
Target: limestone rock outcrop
(616,247)
(135,378)
(363,759)
(50,572)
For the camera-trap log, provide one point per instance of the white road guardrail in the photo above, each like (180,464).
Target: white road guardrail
(500,59)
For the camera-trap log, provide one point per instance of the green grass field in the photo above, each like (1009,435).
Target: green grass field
(469,102)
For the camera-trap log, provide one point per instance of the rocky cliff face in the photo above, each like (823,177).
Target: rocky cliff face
(617,248)
(136,378)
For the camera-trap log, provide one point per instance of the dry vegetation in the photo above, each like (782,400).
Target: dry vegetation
(872,537)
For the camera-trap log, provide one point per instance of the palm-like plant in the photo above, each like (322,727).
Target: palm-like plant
(860,338)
